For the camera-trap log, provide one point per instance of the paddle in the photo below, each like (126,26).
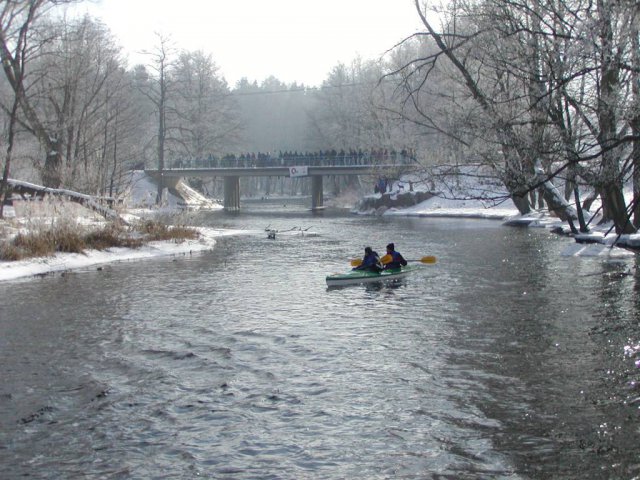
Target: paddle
(427,259)
(387,259)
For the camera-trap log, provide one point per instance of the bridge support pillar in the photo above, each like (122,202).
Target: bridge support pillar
(232,193)
(316,192)
(170,182)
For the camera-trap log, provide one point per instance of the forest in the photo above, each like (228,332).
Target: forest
(541,95)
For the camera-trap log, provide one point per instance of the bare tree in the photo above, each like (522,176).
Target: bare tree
(80,70)
(157,88)
(16,19)
(204,113)
(125,120)
(635,118)
(484,83)
(58,84)
(541,85)
(352,111)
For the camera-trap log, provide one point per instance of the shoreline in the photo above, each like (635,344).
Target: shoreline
(585,245)
(62,263)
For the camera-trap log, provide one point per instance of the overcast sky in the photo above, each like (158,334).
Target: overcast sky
(293,40)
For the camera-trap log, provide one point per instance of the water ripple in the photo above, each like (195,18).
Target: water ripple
(242,364)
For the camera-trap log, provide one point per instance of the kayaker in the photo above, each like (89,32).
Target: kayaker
(370,261)
(397,260)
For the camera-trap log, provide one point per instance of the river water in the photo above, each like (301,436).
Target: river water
(502,360)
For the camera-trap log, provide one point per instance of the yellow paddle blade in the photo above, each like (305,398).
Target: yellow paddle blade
(386,259)
(356,262)
(428,259)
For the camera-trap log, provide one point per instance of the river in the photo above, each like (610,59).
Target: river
(502,360)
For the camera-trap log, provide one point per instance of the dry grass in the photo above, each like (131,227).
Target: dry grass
(70,237)
(111,236)
(153,230)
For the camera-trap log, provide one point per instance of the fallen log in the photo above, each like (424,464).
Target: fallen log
(25,188)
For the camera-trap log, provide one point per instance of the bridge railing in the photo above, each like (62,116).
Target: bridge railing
(311,160)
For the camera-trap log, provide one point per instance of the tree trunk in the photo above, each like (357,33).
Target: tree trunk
(522,204)
(4,190)
(612,192)
(51,173)
(112,178)
(586,205)
(616,209)
(555,200)
(583,224)
(162,127)
(635,121)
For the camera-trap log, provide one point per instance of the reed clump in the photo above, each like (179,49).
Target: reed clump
(156,231)
(70,237)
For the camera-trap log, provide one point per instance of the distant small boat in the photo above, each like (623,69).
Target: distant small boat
(356,277)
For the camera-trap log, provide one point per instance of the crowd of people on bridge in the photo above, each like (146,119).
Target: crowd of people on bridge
(290,159)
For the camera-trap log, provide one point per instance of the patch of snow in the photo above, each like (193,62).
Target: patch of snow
(594,250)
(63,262)
(142,191)
(445,207)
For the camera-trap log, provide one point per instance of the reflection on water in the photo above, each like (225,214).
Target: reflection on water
(502,360)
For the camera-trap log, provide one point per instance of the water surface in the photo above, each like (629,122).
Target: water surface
(503,360)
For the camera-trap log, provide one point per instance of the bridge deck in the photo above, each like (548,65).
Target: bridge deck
(277,171)
(232,176)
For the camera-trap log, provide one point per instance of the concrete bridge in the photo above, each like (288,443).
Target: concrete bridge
(231,175)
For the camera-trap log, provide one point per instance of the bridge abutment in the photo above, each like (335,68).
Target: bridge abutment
(316,192)
(232,193)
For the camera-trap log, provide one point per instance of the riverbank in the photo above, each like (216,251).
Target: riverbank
(65,262)
(599,242)
(27,216)
(595,244)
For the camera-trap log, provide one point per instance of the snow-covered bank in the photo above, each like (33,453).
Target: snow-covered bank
(139,202)
(599,242)
(442,207)
(463,193)
(63,262)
